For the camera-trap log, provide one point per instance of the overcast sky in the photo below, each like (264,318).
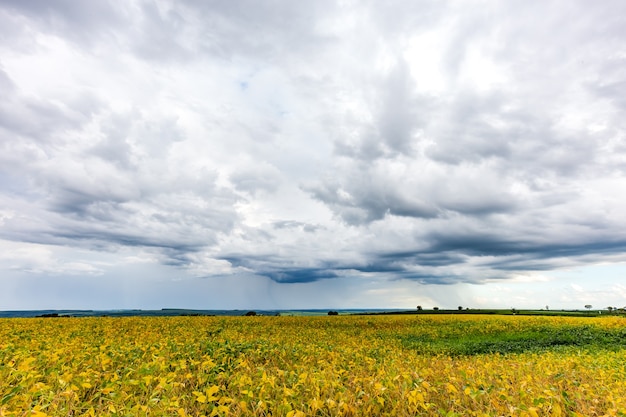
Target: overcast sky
(302,154)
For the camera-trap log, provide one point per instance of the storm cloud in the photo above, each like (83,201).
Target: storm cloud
(345,144)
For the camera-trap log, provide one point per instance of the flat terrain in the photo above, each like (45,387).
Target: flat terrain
(396,365)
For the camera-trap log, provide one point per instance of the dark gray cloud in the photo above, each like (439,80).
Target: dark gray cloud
(296,275)
(441,262)
(276,269)
(367,198)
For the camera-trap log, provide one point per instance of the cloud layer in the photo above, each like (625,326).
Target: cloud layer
(443,143)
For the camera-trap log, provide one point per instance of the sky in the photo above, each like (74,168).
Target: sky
(320,154)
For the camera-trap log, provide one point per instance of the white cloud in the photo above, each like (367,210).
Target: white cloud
(39,259)
(320,146)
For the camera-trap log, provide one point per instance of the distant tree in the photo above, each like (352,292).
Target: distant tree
(610,309)
(333,313)
(547,307)
(419,308)
(588,306)
(436,308)
(460,308)
(251,313)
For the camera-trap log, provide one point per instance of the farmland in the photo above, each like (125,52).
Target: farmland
(466,365)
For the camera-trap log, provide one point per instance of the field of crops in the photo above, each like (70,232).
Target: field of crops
(313,366)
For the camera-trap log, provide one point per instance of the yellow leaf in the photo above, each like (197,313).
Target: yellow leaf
(210,393)
(26,365)
(451,388)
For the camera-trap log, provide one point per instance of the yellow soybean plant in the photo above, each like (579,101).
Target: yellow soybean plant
(413,365)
